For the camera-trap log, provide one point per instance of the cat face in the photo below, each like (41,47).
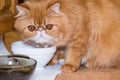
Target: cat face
(43,24)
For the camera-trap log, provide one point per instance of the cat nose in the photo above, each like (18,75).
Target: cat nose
(41,29)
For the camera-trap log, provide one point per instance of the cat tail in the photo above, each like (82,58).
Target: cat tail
(89,74)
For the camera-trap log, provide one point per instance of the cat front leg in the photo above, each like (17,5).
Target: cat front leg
(55,59)
(59,54)
(73,59)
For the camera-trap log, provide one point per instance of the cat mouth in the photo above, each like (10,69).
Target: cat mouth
(44,38)
(41,36)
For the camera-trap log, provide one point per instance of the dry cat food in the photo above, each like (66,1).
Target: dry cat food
(37,45)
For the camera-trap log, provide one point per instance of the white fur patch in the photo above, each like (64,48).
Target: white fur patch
(42,37)
(84,60)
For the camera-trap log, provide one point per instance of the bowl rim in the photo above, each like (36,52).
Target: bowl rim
(19,56)
(14,43)
(16,48)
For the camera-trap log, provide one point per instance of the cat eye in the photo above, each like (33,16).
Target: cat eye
(49,26)
(31,28)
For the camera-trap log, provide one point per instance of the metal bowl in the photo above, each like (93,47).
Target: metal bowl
(16,67)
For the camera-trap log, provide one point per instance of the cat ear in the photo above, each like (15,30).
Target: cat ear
(55,10)
(22,11)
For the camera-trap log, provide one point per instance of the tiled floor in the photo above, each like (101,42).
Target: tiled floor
(49,73)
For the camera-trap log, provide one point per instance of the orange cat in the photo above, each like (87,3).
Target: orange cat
(89,29)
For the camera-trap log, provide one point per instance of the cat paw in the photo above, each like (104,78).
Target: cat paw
(53,62)
(89,65)
(68,68)
(93,66)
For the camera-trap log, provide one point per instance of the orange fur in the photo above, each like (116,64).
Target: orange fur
(89,29)
(86,74)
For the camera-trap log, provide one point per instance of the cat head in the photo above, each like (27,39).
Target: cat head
(43,22)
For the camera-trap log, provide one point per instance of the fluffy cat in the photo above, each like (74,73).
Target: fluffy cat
(89,29)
